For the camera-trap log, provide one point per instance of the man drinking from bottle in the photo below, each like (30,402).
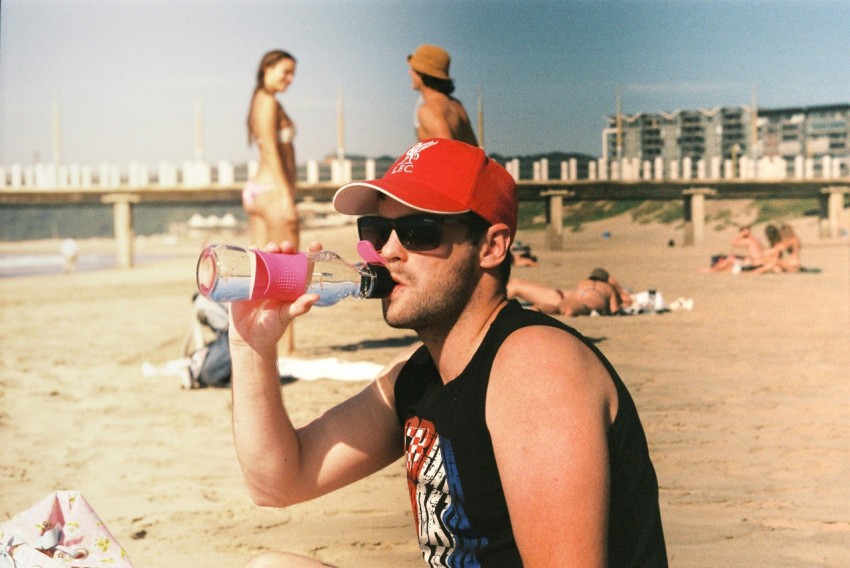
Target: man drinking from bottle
(523,447)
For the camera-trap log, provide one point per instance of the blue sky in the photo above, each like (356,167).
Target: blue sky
(127,73)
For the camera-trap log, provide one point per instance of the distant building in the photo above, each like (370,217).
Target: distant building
(730,133)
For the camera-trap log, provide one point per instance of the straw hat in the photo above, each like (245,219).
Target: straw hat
(431,60)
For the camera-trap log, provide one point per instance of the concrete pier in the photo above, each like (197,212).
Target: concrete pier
(555,216)
(125,234)
(832,200)
(830,194)
(695,213)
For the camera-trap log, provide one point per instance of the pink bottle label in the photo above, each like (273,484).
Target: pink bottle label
(280,276)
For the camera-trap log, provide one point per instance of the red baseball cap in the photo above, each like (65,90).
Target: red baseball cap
(440,176)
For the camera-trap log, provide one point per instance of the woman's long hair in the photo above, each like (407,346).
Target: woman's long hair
(269,59)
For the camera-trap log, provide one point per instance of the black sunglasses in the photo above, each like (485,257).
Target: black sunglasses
(415,232)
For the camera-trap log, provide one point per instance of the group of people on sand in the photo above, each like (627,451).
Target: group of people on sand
(749,255)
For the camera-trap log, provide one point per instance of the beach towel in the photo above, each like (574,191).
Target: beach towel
(652,302)
(327,368)
(61,530)
(646,302)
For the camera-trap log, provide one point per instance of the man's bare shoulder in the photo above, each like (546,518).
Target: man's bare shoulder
(541,350)
(435,103)
(548,369)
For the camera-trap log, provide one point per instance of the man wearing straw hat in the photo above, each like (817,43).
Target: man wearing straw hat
(438,114)
(522,445)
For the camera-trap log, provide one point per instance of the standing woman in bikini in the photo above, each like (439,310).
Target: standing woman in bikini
(269,196)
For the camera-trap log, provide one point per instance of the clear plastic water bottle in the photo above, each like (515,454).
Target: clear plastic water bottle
(229,273)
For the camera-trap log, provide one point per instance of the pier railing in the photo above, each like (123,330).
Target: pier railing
(203,184)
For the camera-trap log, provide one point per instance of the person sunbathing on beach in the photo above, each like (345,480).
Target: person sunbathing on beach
(733,262)
(790,258)
(600,293)
(784,252)
(522,256)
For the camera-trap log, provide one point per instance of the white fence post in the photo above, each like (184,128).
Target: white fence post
(16,176)
(715,167)
(226,173)
(312,171)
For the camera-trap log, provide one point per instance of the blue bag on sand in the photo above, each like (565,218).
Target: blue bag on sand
(210,365)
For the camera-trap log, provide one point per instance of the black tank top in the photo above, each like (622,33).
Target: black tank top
(459,508)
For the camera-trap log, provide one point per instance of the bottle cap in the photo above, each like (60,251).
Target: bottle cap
(280,276)
(384,283)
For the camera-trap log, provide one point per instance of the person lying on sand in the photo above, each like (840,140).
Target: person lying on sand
(522,256)
(734,262)
(600,292)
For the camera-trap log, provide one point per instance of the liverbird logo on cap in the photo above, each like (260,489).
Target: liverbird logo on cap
(406,165)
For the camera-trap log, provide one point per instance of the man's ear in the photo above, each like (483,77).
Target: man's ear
(496,246)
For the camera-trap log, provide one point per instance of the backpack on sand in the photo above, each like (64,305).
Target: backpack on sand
(209,364)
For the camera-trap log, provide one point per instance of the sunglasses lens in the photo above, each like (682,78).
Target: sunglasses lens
(375,230)
(418,233)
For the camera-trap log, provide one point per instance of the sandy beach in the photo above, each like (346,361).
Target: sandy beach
(744,400)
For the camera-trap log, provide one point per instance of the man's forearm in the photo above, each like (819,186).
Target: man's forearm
(266,441)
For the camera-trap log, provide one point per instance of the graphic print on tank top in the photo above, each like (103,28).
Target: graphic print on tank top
(436,496)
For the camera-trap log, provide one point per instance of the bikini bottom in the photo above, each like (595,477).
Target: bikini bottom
(251,190)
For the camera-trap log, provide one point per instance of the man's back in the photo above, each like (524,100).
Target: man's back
(747,240)
(442,116)
(596,295)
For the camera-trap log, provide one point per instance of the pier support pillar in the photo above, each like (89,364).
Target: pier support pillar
(695,214)
(555,216)
(832,210)
(125,236)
